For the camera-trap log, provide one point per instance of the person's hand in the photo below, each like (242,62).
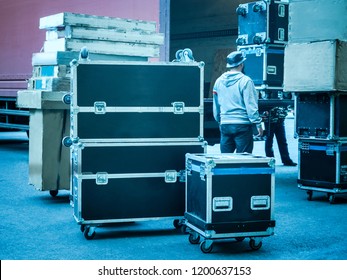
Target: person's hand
(260,131)
(265,116)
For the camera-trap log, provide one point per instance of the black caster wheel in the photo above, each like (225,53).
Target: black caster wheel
(309,195)
(257,40)
(254,245)
(332,198)
(184,229)
(53,193)
(178,223)
(239,239)
(88,234)
(187,55)
(179,55)
(194,238)
(82,228)
(241,11)
(206,248)
(240,41)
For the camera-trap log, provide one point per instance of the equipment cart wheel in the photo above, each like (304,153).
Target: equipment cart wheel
(206,246)
(332,198)
(255,245)
(309,195)
(53,193)
(83,227)
(194,238)
(178,223)
(89,233)
(184,229)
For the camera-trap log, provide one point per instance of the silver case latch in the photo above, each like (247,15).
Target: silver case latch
(170,176)
(101,178)
(178,107)
(100,107)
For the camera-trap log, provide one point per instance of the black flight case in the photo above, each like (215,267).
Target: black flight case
(323,167)
(229,196)
(321,115)
(264,64)
(262,22)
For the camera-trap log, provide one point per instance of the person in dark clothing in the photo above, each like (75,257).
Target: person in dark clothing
(235,107)
(274,126)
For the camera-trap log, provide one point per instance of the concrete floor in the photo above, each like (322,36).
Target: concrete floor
(36,226)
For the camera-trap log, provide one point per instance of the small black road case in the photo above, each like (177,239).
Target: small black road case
(323,167)
(229,196)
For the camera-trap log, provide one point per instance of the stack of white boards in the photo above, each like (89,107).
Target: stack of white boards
(106,38)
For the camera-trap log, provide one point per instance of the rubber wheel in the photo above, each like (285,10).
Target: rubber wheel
(177,223)
(87,235)
(53,193)
(239,239)
(184,229)
(82,228)
(204,248)
(255,246)
(194,240)
(332,198)
(309,195)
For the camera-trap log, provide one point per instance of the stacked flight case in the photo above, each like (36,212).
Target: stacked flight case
(262,36)
(131,126)
(315,69)
(229,196)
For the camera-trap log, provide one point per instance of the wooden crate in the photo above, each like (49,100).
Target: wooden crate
(316,66)
(317,20)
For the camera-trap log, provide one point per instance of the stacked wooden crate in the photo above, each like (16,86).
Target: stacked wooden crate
(105,38)
(315,69)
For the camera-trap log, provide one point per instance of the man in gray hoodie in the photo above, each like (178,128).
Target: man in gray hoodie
(235,107)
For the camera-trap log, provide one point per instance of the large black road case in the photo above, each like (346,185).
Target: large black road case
(229,196)
(262,22)
(264,64)
(137,101)
(321,115)
(323,167)
(129,182)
